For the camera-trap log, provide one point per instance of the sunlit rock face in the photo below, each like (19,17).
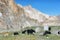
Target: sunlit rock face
(15,16)
(9,15)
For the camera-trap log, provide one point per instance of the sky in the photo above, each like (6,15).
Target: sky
(50,7)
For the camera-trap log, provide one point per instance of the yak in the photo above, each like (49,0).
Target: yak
(58,32)
(29,31)
(16,33)
(47,32)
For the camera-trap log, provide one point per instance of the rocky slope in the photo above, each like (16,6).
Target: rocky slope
(14,16)
(10,13)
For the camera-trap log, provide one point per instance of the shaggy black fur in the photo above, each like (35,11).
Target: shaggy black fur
(29,31)
(58,32)
(47,32)
(23,32)
(16,33)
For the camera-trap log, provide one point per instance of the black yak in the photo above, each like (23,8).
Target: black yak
(29,31)
(16,33)
(23,32)
(58,32)
(47,32)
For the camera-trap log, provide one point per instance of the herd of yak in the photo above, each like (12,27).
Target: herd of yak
(31,31)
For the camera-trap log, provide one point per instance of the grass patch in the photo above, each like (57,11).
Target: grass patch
(30,37)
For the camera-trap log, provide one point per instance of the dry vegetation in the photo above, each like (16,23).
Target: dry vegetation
(29,37)
(36,36)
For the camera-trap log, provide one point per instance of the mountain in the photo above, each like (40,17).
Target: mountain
(10,13)
(52,21)
(15,16)
(58,17)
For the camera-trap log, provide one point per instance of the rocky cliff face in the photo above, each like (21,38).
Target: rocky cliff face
(15,17)
(9,14)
